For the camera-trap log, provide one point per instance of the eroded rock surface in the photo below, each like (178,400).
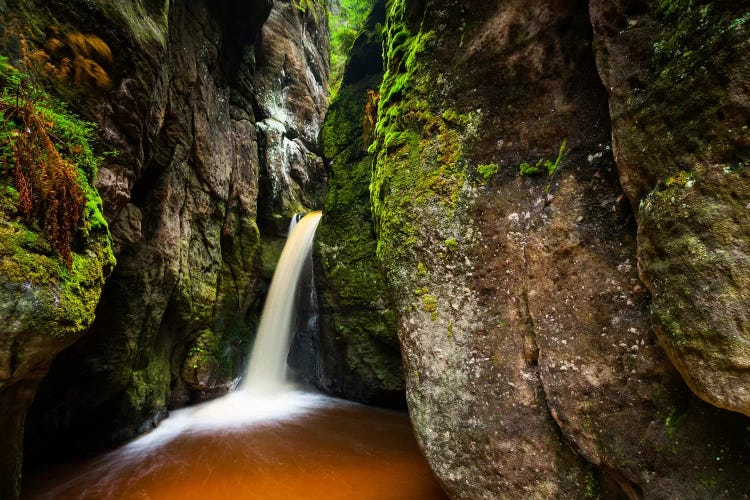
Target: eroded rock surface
(356,354)
(677,76)
(182,199)
(510,247)
(291,92)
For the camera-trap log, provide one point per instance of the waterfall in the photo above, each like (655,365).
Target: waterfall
(266,371)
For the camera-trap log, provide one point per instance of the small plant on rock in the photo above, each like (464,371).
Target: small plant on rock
(544,165)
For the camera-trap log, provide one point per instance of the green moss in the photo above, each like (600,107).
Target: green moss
(345,26)
(488,171)
(673,421)
(148,389)
(64,299)
(429,305)
(203,353)
(353,287)
(592,490)
(698,45)
(421,156)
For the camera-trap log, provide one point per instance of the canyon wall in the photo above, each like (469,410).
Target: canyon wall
(542,308)
(539,208)
(214,111)
(357,351)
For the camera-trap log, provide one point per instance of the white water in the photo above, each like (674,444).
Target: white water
(226,448)
(264,395)
(266,372)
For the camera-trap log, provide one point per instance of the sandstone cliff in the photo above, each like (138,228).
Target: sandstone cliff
(356,354)
(207,105)
(544,203)
(533,365)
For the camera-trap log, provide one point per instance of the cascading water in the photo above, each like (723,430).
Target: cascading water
(266,371)
(222,449)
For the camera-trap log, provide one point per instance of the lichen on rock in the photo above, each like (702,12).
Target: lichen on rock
(680,129)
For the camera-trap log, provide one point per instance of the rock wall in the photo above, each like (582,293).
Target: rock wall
(551,217)
(356,353)
(291,98)
(690,187)
(176,318)
(182,195)
(44,308)
(512,252)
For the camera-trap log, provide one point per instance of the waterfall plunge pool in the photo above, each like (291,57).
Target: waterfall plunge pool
(266,440)
(291,445)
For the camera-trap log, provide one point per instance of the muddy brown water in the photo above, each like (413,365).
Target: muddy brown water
(336,451)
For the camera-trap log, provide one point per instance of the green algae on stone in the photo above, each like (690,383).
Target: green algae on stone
(357,321)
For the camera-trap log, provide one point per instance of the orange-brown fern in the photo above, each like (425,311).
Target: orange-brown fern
(89,46)
(47,184)
(77,56)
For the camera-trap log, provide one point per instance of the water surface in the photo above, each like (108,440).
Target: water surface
(297,445)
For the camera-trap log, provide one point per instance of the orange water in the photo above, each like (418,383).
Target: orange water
(337,452)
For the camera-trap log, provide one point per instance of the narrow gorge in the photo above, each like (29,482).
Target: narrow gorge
(534,235)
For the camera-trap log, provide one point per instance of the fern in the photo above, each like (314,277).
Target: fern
(43,145)
(77,57)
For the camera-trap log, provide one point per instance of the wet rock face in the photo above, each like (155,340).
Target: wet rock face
(44,308)
(511,249)
(182,199)
(679,72)
(291,92)
(356,353)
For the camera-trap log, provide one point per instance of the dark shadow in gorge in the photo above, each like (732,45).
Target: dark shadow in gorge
(197,181)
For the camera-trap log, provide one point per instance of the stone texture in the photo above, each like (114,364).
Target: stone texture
(182,198)
(356,354)
(677,77)
(531,364)
(44,308)
(291,91)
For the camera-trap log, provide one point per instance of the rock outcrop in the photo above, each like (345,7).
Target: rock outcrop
(44,308)
(511,250)
(175,321)
(291,86)
(677,78)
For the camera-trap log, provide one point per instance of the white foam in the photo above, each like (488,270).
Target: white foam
(236,410)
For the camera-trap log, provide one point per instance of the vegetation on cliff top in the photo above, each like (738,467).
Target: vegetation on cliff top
(345,19)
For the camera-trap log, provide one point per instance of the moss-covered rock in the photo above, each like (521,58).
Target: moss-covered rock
(44,307)
(510,251)
(680,124)
(181,197)
(358,351)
